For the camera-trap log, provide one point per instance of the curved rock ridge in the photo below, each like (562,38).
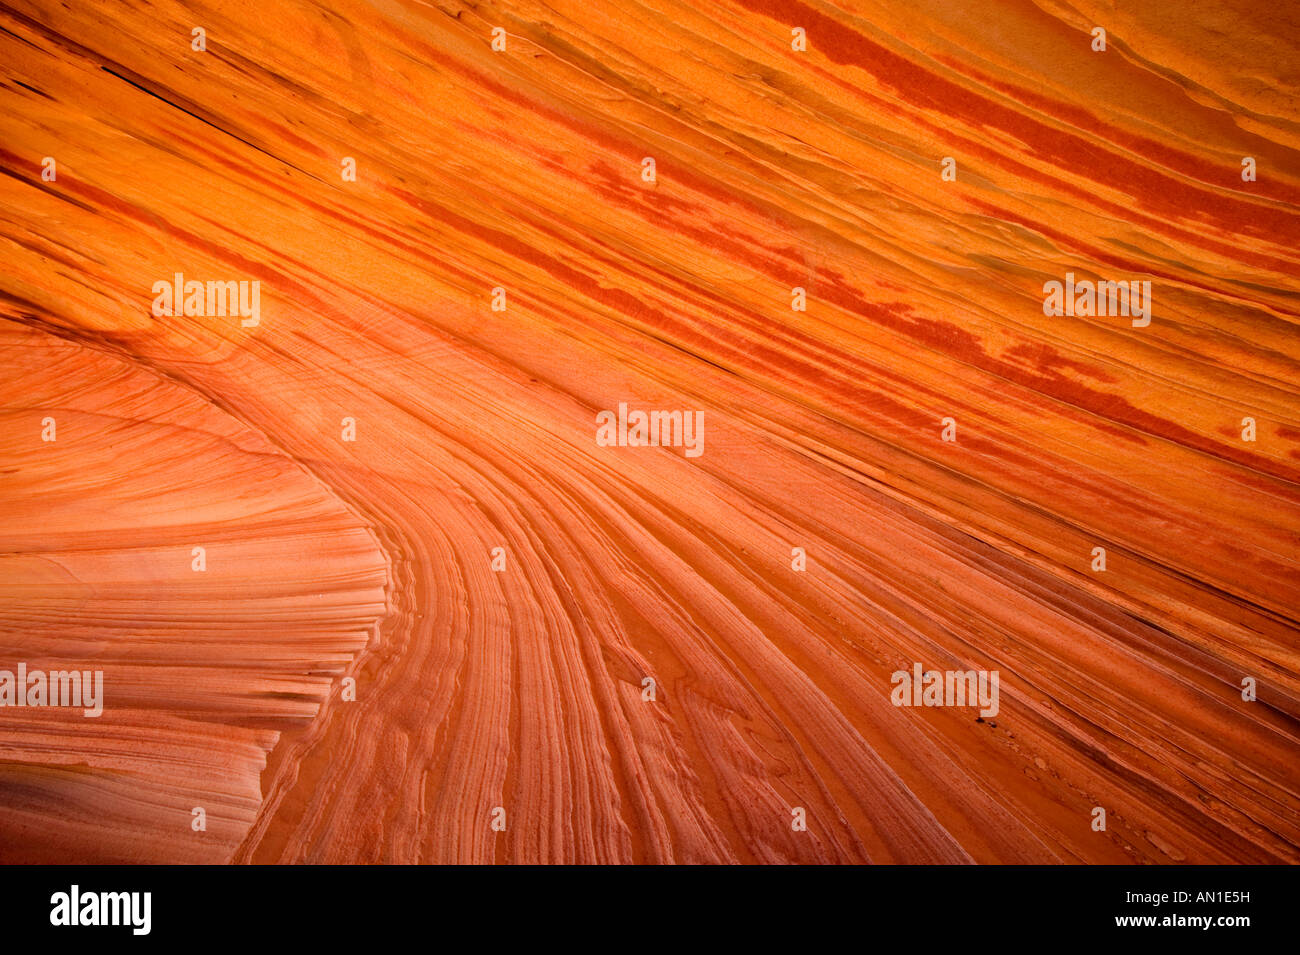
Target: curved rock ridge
(206,656)
(398,453)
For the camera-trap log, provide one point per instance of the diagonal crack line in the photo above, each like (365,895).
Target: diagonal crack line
(208,122)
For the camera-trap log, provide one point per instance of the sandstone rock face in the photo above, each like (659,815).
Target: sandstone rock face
(428,599)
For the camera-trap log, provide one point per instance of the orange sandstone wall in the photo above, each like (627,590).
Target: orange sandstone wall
(428,595)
